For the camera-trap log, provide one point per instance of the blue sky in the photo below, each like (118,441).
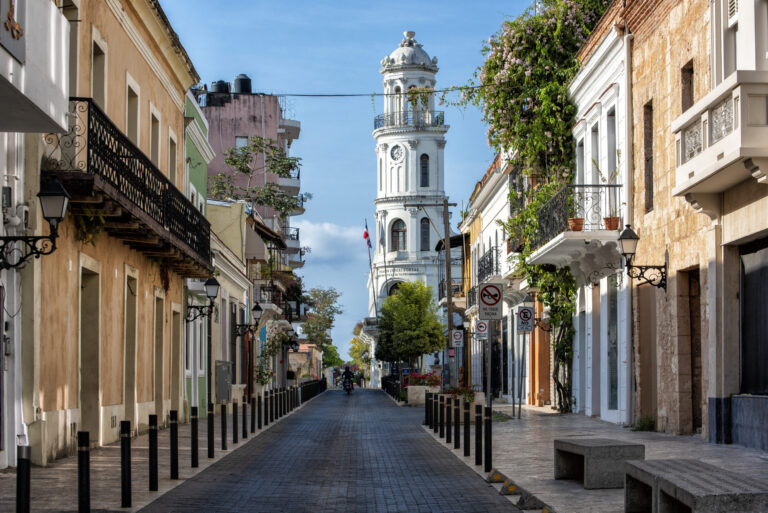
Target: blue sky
(336,47)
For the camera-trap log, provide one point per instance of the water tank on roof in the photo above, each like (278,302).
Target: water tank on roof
(242,84)
(220,86)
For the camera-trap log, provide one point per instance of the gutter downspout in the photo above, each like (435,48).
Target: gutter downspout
(629,134)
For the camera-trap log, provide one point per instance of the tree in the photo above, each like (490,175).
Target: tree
(244,162)
(331,357)
(324,303)
(409,325)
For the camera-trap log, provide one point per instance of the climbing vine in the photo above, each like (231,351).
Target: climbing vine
(276,338)
(522,88)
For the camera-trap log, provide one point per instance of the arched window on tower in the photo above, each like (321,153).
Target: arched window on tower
(424,227)
(398,236)
(425,170)
(398,110)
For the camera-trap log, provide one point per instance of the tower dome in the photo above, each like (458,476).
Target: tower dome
(409,55)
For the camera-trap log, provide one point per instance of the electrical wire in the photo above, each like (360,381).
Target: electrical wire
(369,95)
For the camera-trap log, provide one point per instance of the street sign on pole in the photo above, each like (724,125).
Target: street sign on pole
(489,302)
(457,338)
(481,330)
(524,319)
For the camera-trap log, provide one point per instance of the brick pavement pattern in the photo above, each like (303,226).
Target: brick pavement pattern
(358,453)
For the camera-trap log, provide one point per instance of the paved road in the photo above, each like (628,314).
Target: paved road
(339,453)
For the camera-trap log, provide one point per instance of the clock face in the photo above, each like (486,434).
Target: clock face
(397,152)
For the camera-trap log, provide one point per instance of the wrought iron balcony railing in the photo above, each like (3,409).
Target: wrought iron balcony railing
(410,118)
(291,233)
(95,146)
(472,297)
(457,290)
(579,208)
(488,265)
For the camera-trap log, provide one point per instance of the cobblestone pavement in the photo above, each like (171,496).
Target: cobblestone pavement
(357,453)
(523,451)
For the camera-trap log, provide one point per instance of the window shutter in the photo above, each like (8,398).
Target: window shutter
(733,10)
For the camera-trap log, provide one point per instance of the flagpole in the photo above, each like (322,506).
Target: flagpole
(370,265)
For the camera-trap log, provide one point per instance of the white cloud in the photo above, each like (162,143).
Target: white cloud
(332,242)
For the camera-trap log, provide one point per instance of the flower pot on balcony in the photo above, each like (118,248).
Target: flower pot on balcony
(575,224)
(611,223)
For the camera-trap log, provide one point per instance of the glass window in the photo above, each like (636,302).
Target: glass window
(425,170)
(425,234)
(613,343)
(241,142)
(398,236)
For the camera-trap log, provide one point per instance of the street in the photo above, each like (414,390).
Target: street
(357,453)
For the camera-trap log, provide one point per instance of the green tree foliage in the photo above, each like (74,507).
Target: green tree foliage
(245,163)
(331,357)
(317,328)
(359,350)
(409,325)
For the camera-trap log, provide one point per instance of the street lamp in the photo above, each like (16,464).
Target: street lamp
(655,275)
(196,311)
(53,202)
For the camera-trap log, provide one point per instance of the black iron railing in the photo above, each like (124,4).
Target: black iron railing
(410,118)
(96,146)
(291,233)
(457,290)
(488,265)
(579,208)
(472,297)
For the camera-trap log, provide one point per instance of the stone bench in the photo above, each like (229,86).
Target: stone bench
(691,486)
(597,462)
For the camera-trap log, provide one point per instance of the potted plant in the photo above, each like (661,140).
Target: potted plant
(417,385)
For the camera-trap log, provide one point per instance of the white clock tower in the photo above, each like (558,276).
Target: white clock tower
(410,139)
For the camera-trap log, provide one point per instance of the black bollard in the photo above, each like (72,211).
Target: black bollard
(259,415)
(174,444)
(23,468)
(223,426)
(466,428)
(210,429)
(245,418)
(193,435)
(427,406)
(234,422)
(448,423)
(435,413)
(253,414)
(488,446)
(83,473)
(271,405)
(478,434)
(456,424)
(125,463)
(442,416)
(153,453)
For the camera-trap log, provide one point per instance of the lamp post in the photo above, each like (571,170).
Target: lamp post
(655,275)
(195,312)
(54,200)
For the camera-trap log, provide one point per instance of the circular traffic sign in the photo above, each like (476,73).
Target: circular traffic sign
(526,314)
(490,295)
(481,326)
(457,335)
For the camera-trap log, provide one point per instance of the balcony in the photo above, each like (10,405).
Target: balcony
(488,265)
(472,297)
(109,178)
(417,119)
(292,242)
(579,228)
(722,140)
(289,129)
(290,184)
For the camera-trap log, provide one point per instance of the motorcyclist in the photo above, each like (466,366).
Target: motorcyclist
(347,374)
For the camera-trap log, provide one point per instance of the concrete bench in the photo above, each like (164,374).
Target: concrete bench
(597,462)
(691,486)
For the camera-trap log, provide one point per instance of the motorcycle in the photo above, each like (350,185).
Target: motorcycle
(348,386)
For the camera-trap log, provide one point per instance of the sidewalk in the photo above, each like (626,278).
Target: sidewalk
(54,488)
(523,451)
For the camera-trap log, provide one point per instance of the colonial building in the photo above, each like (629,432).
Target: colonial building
(34,91)
(104,313)
(410,139)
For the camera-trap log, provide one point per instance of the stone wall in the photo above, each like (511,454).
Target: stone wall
(667,36)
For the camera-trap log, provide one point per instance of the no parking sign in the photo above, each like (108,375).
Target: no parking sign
(457,338)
